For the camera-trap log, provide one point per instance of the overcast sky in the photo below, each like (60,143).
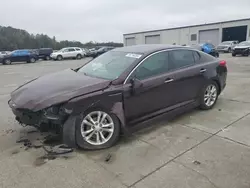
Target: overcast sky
(108,20)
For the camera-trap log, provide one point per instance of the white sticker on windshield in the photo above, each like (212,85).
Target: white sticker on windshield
(137,56)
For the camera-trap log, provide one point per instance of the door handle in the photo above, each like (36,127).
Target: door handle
(203,70)
(168,80)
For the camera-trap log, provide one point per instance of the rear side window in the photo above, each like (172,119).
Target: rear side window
(181,58)
(71,50)
(204,58)
(78,49)
(153,66)
(196,56)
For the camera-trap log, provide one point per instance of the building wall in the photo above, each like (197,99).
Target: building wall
(183,35)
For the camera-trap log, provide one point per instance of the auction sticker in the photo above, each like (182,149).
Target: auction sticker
(137,56)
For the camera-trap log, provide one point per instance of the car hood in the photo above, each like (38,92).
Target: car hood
(55,88)
(241,47)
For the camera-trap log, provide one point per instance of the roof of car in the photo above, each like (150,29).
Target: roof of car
(147,48)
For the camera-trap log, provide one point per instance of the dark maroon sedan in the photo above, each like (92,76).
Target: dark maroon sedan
(94,103)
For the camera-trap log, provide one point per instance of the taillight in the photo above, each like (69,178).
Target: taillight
(223,63)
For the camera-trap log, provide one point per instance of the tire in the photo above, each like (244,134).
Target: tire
(206,96)
(92,142)
(233,54)
(7,62)
(32,60)
(229,50)
(59,58)
(79,56)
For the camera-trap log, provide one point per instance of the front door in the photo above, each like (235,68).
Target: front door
(148,96)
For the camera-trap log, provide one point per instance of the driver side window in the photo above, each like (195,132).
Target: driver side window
(153,66)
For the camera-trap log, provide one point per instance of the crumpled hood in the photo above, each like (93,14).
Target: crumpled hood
(55,88)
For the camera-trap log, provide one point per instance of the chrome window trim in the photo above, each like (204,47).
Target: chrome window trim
(166,50)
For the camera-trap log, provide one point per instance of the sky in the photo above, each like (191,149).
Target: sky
(108,20)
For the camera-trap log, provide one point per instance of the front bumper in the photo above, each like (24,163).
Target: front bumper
(36,119)
(242,51)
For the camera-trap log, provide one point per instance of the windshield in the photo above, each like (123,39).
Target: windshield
(246,43)
(109,65)
(226,43)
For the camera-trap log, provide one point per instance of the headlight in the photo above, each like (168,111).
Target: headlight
(52,112)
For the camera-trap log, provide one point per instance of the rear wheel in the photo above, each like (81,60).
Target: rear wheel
(7,62)
(233,54)
(97,129)
(209,96)
(79,56)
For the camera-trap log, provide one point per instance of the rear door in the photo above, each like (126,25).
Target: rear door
(72,52)
(187,74)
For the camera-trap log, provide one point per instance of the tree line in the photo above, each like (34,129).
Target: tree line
(12,39)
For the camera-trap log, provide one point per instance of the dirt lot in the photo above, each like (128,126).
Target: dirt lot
(200,149)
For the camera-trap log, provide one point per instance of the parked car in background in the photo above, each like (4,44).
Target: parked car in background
(87,52)
(207,48)
(102,50)
(29,56)
(3,53)
(91,52)
(242,48)
(68,53)
(44,53)
(227,46)
(93,104)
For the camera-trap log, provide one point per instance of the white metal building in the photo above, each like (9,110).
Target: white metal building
(189,35)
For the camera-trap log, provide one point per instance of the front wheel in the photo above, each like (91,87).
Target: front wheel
(209,96)
(229,50)
(97,129)
(59,58)
(32,60)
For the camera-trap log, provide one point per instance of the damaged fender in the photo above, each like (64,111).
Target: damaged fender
(110,101)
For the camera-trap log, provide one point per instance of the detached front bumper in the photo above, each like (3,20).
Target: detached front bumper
(37,119)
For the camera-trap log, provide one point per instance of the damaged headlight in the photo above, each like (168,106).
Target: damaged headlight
(52,112)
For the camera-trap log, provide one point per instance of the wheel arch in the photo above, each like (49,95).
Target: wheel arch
(218,84)
(113,104)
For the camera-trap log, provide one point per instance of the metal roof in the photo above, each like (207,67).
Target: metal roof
(246,19)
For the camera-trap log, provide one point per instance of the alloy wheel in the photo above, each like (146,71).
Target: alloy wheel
(210,95)
(97,128)
(7,62)
(32,60)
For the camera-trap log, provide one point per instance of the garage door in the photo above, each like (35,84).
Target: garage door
(130,41)
(211,36)
(153,39)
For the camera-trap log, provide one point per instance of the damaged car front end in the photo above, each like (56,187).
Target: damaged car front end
(51,118)
(60,101)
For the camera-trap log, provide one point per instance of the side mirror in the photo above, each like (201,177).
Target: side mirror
(135,84)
